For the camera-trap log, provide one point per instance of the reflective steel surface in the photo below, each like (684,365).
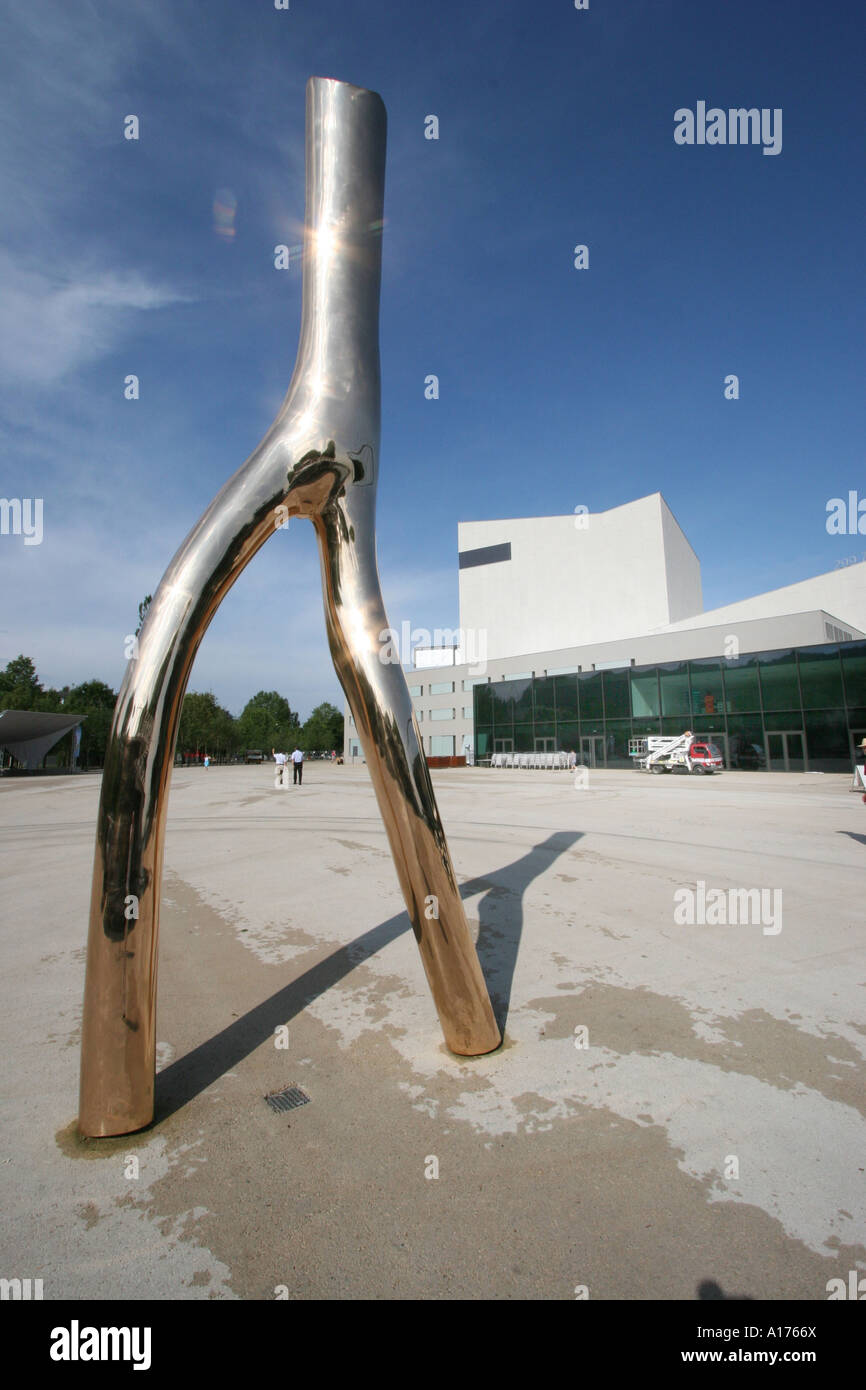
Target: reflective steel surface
(319,459)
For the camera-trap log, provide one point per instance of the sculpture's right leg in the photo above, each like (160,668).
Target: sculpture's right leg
(381,706)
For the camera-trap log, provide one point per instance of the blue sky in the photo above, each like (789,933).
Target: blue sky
(558,387)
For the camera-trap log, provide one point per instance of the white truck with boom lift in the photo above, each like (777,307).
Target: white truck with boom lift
(686,752)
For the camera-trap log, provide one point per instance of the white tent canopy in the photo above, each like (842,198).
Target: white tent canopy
(29,736)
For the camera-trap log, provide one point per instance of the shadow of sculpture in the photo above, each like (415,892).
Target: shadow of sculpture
(501,916)
(501,927)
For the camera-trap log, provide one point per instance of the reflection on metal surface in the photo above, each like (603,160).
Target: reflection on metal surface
(319,459)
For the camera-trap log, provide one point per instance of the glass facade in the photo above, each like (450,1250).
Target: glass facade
(799,709)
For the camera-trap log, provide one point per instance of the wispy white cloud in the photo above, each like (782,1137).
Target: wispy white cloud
(51,327)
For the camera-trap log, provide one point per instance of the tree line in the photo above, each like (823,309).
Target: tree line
(266,721)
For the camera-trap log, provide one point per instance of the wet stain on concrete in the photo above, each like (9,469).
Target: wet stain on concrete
(754,1044)
(89,1213)
(73,1144)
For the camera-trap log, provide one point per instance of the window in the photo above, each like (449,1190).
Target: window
(746,746)
(566,696)
(674,680)
(416,690)
(779,685)
(617,733)
(512,699)
(827,740)
(854,667)
(467,711)
(441,714)
(741,685)
(442,745)
(568,733)
(707,693)
(589,688)
(644,696)
(677,724)
(616,699)
(545,700)
(442,688)
(820,677)
(483,702)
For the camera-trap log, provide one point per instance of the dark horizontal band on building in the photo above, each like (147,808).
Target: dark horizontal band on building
(484,555)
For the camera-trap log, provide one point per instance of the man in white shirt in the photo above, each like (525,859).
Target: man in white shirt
(297,767)
(281,778)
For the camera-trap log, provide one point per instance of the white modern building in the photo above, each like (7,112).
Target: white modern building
(541,583)
(619,591)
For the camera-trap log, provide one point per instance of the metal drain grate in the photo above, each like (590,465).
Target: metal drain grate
(288,1099)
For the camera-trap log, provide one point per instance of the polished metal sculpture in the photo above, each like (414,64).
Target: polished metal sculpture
(319,459)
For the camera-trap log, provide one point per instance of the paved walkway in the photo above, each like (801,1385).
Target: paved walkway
(711,1127)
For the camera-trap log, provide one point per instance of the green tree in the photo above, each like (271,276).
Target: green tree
(323,730)
(205,727)
(52,701)
(267,722)
(96,701)
(91,695)
(19,685)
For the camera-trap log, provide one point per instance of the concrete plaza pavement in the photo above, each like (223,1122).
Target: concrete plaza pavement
(674,1103)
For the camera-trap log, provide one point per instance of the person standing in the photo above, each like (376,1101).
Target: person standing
(297,768)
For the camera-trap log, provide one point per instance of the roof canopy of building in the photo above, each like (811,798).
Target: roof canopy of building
(28,736)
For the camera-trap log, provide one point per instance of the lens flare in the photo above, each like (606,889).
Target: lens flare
(224,208)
